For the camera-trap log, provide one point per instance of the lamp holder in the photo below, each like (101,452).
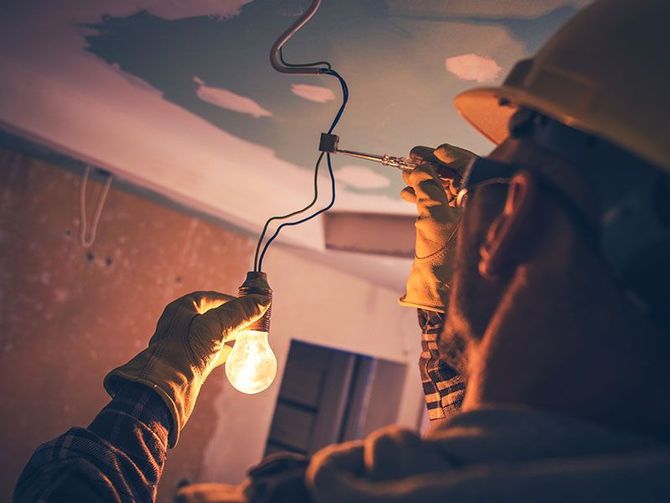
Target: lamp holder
(257,283)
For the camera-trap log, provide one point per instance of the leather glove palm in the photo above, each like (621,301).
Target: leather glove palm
(188,344)
(436,224)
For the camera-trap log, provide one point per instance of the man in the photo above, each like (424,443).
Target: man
(556,312)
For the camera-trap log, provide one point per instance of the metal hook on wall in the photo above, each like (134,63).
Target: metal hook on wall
(86,235)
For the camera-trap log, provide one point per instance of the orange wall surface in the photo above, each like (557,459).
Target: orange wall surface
(68,315)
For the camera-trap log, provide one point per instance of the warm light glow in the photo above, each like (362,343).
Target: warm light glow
(251,366)
(204,304)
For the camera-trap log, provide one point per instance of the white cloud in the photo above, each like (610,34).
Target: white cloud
(229,100)
(313,93)
(359,177)
(473,67)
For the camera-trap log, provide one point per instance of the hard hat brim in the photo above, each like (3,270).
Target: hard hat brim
(489,109)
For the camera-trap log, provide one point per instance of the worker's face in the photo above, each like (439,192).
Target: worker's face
(473,298)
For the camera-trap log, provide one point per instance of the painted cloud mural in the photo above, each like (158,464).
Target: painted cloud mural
(211,125)
(229,100)
(473,67)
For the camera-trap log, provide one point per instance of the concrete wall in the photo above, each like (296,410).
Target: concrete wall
(68,315)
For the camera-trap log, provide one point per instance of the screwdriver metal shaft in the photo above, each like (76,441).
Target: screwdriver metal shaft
(329,143)
(401,163)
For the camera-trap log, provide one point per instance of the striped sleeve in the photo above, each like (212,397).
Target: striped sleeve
(443,387)
(119,457)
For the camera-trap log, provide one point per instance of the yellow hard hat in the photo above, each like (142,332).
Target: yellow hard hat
(606,72)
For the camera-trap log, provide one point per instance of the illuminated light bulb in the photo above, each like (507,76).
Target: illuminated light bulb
(251,366)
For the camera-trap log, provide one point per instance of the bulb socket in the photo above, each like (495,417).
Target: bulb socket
(257,283)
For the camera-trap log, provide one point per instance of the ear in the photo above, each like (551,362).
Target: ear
(507,238)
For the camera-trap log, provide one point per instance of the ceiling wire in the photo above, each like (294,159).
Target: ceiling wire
(258,259)
(316,68)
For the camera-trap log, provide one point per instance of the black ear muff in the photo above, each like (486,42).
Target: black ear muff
(648,280)
(633,234)
(662,200)
(645,273)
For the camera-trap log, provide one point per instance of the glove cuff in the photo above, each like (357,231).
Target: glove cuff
(425,289)
(407,302)
(178,391)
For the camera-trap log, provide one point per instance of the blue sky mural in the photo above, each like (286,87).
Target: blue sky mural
(393,60)
(180,99)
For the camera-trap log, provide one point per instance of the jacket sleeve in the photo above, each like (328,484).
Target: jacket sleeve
(119,457)
(443,387)
(391,465)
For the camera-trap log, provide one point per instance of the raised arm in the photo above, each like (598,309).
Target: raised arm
(120,456)
(428,282)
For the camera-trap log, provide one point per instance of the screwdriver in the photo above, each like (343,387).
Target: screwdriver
(329,143)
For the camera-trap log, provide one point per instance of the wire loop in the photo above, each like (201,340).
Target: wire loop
(87,236)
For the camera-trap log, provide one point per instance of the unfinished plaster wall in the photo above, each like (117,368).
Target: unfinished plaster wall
(68,315)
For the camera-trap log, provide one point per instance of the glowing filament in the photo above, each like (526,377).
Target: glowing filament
(251,366)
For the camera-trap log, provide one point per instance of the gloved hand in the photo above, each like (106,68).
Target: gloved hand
(436,225)
(188,344)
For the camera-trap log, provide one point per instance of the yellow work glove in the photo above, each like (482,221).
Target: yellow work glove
(188,344)
(436,224)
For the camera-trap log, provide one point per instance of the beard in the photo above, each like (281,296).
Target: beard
(473,299)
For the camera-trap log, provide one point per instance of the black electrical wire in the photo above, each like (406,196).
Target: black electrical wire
(316,167)
(345,98)
(313,215)
(289,215)
(293,65)
(258,260)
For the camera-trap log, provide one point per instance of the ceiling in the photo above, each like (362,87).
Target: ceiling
(179,97)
